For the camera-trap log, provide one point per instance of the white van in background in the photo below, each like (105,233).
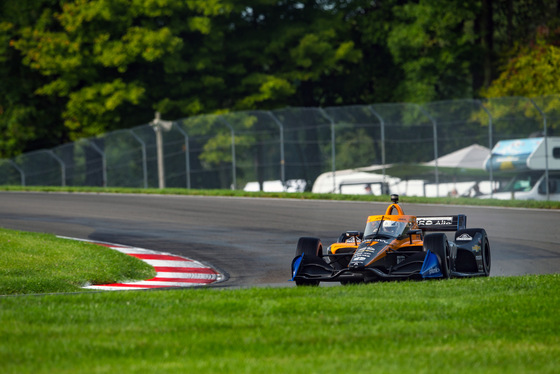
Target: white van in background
(529,186)
(526,158)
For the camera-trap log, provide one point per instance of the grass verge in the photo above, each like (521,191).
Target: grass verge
(302,195)
(490,325)
(43,263)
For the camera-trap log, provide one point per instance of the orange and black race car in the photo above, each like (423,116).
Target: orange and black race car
(395,246)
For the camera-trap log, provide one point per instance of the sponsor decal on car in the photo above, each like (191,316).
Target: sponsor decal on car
(435,221)
(433,271)
(464,237)
(476,248)
(353,239)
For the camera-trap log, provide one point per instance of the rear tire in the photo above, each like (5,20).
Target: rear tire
(308,247)
(438,244)
(486,258)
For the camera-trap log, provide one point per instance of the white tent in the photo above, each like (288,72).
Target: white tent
(471,157)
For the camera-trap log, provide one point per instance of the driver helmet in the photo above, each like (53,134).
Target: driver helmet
(390,227)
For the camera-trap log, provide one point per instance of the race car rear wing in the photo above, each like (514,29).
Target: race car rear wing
(442,223)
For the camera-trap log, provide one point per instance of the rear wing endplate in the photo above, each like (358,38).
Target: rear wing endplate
(442,223)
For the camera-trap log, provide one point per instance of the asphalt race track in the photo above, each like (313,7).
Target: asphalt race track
(253,240)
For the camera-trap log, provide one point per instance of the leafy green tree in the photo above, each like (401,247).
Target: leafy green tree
(376,77)
(506,25)
(27,121)
(290,53)
(533,70)
(433,42)
(114,62)
(97,54)
(79,68)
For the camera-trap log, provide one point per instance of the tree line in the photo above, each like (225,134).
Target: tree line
(80,68)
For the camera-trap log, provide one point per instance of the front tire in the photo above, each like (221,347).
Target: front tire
(438,244)
(308,247)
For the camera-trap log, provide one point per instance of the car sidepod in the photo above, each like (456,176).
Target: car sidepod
(473,253)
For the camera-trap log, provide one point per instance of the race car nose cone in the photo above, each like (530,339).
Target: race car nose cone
(356,266)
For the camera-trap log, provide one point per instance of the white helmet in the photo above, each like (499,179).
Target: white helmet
(390,227)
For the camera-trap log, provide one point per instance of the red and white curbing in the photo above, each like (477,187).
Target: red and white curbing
(171,270)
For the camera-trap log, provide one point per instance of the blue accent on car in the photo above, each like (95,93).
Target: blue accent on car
(430,267)
(295,266)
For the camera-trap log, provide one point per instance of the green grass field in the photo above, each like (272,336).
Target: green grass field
(49,325)
(490,325)
(43,263)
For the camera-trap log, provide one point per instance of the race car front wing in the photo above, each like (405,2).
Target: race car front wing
(422,265)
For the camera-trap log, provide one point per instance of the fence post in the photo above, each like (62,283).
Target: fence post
(159,125)
(490,145)
(333,147)
(144,158)
(187,157)
(62,167)
(282,159)
(233,166)
(545,148)
(103,160)
(434,125)
(382,122)
(21,173)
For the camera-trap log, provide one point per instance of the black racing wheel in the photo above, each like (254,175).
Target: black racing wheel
(308,247)
(486,257)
